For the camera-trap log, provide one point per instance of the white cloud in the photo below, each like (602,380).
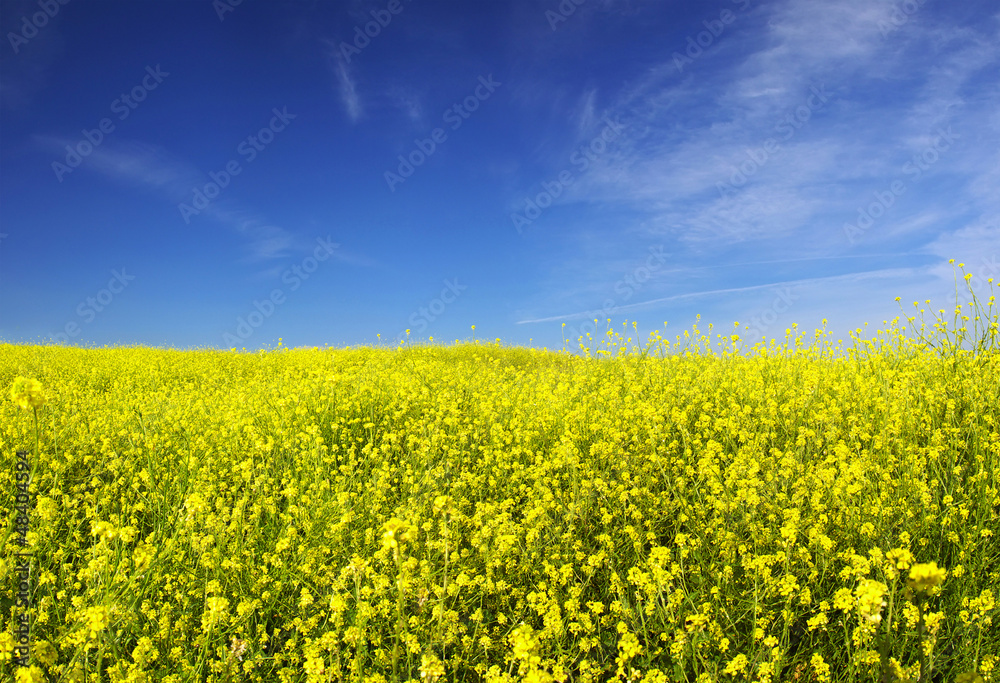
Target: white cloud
(151,167)
(346,86)
(585,112)
(887,93)
(658,302)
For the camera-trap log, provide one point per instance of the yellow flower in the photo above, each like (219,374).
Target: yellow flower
(970,677)
(443,504)
(926,577)
(899,558)
(144,651)
(97,619)
(524,643)
(817,621)
(75,674)
(843,600)
(821,668)
(104,530)
(314,666)
(31,674)
(869,595)
(431,668)
(27,393)
(736,665)
(629,646)
(45,652)
(6,645)
(396,531)
(218,611)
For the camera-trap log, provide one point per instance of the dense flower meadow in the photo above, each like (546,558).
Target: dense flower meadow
(804,510)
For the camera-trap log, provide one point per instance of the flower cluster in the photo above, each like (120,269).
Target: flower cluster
(27,393)
(689,510)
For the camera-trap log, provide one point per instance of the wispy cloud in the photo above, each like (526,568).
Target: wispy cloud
(688,296)
(585,112)
(346,86)
(152,168)
(688,133)
(26,69)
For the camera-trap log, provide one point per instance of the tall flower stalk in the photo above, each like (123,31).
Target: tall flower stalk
(28,393)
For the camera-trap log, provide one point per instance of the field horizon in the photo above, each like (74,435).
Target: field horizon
(681,511)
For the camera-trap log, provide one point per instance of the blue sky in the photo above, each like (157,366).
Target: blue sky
(213,174)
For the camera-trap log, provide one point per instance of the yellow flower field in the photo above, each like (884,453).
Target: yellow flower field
(693,510)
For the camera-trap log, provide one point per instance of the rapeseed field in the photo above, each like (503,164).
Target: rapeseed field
(687,509)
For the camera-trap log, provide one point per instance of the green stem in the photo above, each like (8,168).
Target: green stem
(444,596)
(357,650)
(921,630)
(31,478)
(38,455)
(883,644)
(399,618)
(883,652)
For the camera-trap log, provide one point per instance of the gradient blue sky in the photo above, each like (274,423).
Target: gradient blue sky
(513,165)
